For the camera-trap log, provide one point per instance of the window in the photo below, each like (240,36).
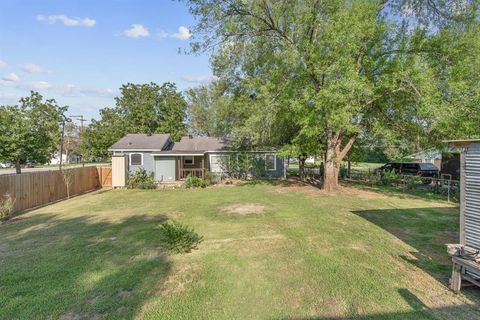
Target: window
(188,161)
(136,159)
(270,162)
(218,163)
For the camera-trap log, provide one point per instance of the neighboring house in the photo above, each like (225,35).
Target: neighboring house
(71,158)
(56,158)
(432,156)
(192,156)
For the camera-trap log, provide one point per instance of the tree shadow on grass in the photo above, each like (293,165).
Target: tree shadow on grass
(52,266)
(427,230)
(420,311)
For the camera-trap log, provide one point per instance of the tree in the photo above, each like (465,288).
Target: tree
(30,131)
(141,108)
(338,68)
(101,134)
(213,110)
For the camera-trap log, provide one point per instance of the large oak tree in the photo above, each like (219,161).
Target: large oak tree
(330,70)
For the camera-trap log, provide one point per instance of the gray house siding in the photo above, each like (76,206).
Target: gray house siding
(214,164)
(147,162)
(167,170)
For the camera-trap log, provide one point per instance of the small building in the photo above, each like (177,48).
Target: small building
(469,210)
(431,156)
(191,156)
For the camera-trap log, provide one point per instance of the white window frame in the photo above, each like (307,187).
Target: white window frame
(218,156)
(189,164)
(130,159)
(274,162)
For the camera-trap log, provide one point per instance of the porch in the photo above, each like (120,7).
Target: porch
(191,166)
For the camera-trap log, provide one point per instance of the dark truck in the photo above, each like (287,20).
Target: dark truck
(425,170)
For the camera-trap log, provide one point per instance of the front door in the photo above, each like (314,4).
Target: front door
(165,168)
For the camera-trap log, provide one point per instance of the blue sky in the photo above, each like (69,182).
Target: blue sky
(81,51)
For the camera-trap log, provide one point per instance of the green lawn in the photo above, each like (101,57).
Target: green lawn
(358,254)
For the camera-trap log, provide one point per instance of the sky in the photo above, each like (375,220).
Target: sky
(80,52)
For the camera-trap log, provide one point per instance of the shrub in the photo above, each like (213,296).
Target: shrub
(179,238)
(373,178)
(195,182)
(6,207)
(211,178)
(389,178)
(411,181)
(140,179)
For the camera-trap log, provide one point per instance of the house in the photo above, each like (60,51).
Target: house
(66,159)
(430,156)
(191,156)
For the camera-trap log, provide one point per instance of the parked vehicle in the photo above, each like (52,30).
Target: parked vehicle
(425,170)
(6,165)
(30,164)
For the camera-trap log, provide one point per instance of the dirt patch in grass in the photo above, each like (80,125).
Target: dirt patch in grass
(292,185)
(296,186)
(245,209)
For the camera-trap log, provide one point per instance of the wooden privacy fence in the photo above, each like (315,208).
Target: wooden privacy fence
(105,176)
(32,189)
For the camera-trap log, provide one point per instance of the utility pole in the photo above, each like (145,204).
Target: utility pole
(82,120)
(65,119)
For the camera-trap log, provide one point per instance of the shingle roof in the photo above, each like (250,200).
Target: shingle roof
(142,141)
(200,144)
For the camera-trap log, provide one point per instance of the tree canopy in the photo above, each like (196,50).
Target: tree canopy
(141,108)
(320,73)
(30,130)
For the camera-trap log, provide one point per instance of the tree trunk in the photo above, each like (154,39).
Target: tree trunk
(301,167)
(18,168)
(333,158)
(330,171)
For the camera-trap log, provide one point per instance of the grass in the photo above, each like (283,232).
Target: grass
(304,255)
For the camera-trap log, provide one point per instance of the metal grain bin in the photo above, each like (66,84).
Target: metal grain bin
(469,192)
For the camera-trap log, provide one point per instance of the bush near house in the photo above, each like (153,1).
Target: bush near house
(140,179)
(195,182)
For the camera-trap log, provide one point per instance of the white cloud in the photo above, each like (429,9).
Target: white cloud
(182,34)
(198,78)
(71,90)
(3,64)
(39,85)
(32,68)
(68,90)
(11,77)
(136,31)
(67,21)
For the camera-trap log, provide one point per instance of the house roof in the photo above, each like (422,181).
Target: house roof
(189,143)
(142,141)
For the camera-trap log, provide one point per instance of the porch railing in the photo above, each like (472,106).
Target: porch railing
(190,172)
